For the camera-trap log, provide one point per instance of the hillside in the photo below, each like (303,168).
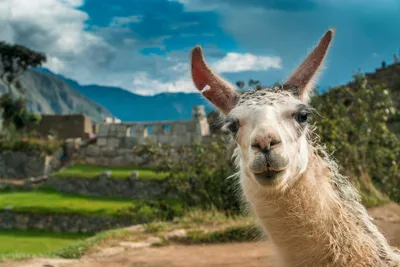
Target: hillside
(390,75)
(132,107)
(47,94)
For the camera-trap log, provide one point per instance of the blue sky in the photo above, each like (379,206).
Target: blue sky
(143,45)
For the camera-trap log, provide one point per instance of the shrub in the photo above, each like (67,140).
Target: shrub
(47,147)
(15,113)
(353,125)
(199,173)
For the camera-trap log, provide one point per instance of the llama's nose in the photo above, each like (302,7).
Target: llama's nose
(266,142)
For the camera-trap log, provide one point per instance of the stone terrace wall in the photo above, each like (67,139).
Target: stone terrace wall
(23,164)
(103,156)
(70,223)
(106,187)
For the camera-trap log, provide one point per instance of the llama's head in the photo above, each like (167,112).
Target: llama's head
(269,125)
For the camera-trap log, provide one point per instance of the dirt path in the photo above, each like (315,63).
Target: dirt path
(387,218)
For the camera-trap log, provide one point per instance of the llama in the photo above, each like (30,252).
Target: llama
(311,213)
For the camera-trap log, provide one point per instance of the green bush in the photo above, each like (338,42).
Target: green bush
(154,210)
(352,122)
(200,174)
(241,233)
(18,143)
(15,114)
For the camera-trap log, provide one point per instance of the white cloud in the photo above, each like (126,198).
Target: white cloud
(55,64)
(107,56)
(181,67)
(235,62)
(124,21)
(145,85)
(58,29)
(73,3)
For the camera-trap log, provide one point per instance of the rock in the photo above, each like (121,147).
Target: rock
(105,175)
(106,252)
(92,150)
(176,234)
(118,161)
(154,240)
(134,175)
(135,244)
(136,228)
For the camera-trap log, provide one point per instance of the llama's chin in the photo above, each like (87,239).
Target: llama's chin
(269,177)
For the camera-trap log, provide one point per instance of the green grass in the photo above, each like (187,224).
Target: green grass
(35,242)
(92,171)
(19,245)
(48,201)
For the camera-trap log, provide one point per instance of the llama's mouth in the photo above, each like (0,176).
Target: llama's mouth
(268,176)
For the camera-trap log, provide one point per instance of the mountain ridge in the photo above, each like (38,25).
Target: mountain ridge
(48,95)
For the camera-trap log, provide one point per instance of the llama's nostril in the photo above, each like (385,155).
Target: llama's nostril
(275,143)
(256,146)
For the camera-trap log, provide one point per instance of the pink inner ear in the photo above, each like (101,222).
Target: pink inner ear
(221,93)
(306,73)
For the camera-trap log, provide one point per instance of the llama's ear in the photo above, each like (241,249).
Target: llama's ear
(305,75)
(218,91)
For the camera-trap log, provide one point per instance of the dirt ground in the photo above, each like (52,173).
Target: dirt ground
(386,217)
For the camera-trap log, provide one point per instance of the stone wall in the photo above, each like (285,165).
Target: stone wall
(106,187)
(71,223)
(176,133)
(115,141)
(65,126)
(23,164)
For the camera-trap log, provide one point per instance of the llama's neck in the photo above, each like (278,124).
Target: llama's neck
(314,223)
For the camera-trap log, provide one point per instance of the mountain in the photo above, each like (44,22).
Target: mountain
(178,106)
(132,107)
(48,94)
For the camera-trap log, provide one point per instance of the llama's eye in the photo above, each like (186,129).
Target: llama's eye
(232,125)
(302,116)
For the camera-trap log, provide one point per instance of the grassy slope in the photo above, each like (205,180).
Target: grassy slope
(33,242)
(90,171)
(47,201)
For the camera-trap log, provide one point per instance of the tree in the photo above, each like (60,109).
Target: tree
(251,84)
(240,84)
(14,60)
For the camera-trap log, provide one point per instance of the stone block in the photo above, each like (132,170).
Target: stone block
(92,151)
(108,152)
(105,176)
(103,130)
(191,127)
(91,161)
(118,161)
(164,139)
(101,141)
(134,175)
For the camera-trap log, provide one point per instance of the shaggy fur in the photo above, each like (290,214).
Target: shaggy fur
(293,188)
(319,220)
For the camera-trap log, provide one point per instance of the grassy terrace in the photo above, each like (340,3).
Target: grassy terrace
(91,171)
(48,201)
(34,242)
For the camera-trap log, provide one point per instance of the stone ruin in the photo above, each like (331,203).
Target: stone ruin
(175,133)
(114,141)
